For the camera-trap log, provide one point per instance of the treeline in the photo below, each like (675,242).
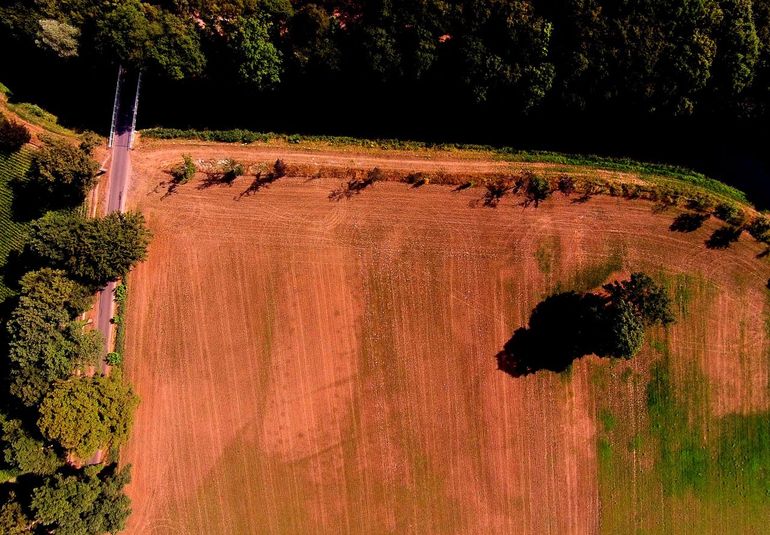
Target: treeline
(672,58)
(61,421)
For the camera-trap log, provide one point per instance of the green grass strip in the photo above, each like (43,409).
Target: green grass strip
(653,172)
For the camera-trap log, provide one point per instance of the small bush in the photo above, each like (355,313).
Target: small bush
(417,179)
(35,111)
(183,172)
(114,358)
(375,175)
(89,141)
(730,213)
(232,169)
(279,169)
(566,185)
(701,203)
(538,189)
(13,135)
(759,228)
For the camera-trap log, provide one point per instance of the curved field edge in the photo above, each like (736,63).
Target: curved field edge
(361,337)
(655,173)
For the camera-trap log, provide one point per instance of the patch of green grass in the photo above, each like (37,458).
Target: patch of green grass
(604,450)
(683,460)
(548,254)
(593,275)
(742,461)
(36,115)
(12,234)
(608,420)
(121,302)
(731,462)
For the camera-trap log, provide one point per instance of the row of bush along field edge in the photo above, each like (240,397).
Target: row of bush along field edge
(659,174)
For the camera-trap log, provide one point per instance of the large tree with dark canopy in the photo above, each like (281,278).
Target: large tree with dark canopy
(46,340)
(13,135)
(567,326)
(93,251)
(89,501)
(60,175)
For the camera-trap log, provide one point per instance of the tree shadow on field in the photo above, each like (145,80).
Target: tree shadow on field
(688,222)
(493,195)
(723,237)
(462,187)
(217,178)
(260,181)
(562,328)
(355,186)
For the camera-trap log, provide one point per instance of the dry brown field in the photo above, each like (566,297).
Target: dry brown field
(311,366)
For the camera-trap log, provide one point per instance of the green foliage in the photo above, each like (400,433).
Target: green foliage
(88,502)
(142,35)
(46,342)
(672,58)
(232,169)
(60,173)
(625,331)
(24,452)
(566,326)
(730,213)
(93,251)
(13,135)
(224,136)
(13,521)
(121,300)
(259,62)
(312,44)
(59,37)
(687,182)
(648,300)
(89,141)
(12,233)
(738,48)
(36,115)
(84,414)
(538,189)
(759,228)
(503,50)
(114,358)
(183,172)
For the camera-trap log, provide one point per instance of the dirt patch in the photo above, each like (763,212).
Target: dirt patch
(308,366)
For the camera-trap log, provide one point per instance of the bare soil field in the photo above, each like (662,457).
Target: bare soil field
(316,366)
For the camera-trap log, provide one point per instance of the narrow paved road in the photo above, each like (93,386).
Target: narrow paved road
(117,187)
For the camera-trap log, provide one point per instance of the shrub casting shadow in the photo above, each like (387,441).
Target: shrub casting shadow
(218,178)
(567,326)
(562,328)
(688,222)
(723,237)
(355,186)
(463,186)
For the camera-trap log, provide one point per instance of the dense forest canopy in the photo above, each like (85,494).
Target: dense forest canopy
(670,58)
